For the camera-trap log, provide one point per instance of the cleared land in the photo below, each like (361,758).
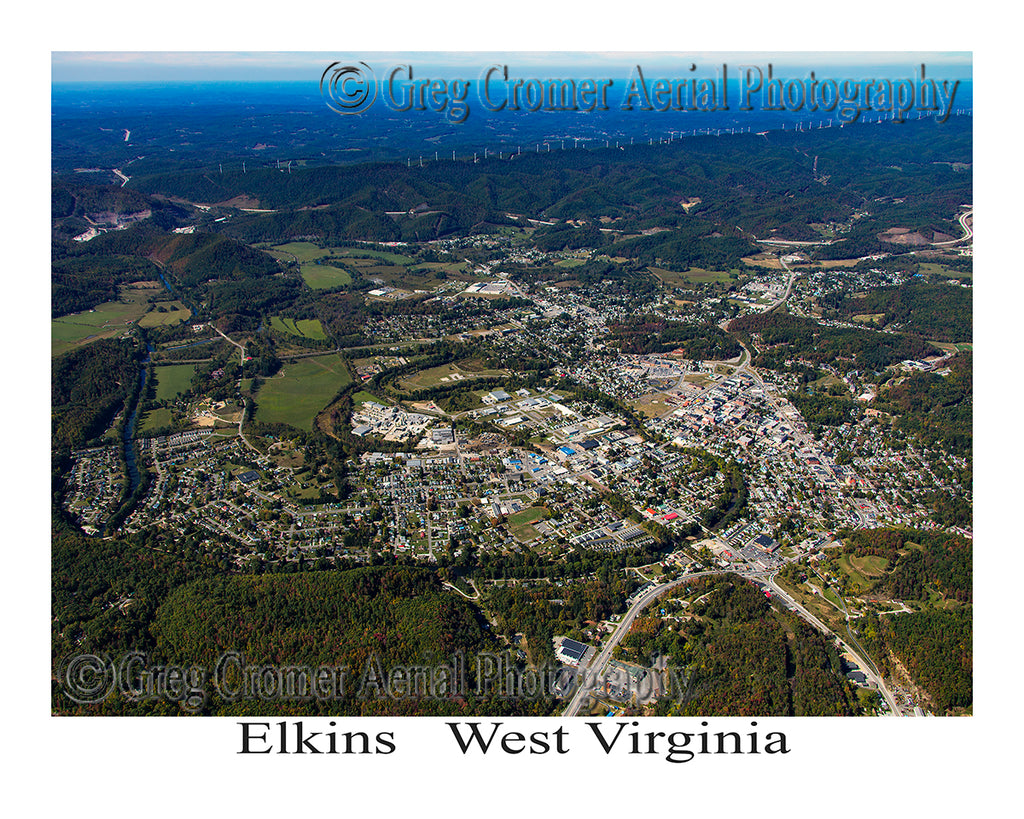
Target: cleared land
(652,405)
(863,571)
(363,396)
(172,380)
(763,261)
(301,390)
(324,277)
(935,269)
(104,321)
(173,313)
(449,374)
(305,328)
(393,258)
(695,275)
(301,251)
(868,318)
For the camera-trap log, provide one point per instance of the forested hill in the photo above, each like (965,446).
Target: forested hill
(762,184)
(367,621)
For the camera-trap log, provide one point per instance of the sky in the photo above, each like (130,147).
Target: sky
(240,66)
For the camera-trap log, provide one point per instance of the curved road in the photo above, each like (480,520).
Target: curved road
(866,665)
(968,229)
(599,663)
(241,420)
(595,670)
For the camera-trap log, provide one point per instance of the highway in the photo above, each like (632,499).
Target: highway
(595,669)
(866,665)
(968,229)
(593,672)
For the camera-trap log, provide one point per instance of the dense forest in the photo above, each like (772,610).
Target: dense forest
(936,649)
(742,655)
(88,386)
(653,334)
(936,311)
(541,613)
(79,283)
(919,561)
(745,185)
(111,597)
(937,410)
(784,337)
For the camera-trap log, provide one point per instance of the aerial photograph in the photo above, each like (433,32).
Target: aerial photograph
(610,386)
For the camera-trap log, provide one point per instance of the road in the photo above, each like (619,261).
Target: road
(968,229)
(241,420)
(596,669)
(789,285)
(866,665)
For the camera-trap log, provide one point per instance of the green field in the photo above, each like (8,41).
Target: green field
(172,380)
(447,267)
(695,275)
(352,252)
(324,277)
(863,570)
(173,314)
(363,396)
(301,390)
(303,251)
(104,321)
(155,419)
(449,374)
(935,269)
(306,328)
(519,524)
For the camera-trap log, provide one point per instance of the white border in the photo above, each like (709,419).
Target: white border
(165,767)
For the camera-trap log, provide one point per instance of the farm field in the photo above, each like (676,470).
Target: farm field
(324,277)
(695,275)
(301,390)
(302,251)
(447,267)
(174,312)
(763,260)
(104,321)
(172,380)
(829,263)
(306,328)
(353,252)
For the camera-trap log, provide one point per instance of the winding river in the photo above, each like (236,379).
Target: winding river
(128,436)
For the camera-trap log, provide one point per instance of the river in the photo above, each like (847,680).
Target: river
(128,436)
